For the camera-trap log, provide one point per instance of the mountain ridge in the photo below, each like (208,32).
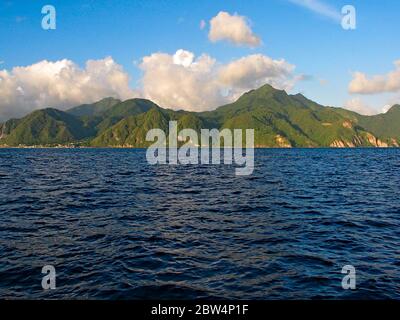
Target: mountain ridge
(278,118)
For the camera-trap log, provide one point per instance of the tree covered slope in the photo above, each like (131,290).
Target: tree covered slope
(279,120)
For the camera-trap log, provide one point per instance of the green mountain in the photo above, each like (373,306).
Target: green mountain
(385,126)
(93,109)
(286,120)
(44,127)
(132,131)
(120,111)
(279,120)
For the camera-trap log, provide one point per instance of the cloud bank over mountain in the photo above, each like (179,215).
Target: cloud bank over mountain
(176,81)
(359,106)
(182,81)
(60,84)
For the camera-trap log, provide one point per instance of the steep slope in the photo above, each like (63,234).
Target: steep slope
(381,130)
(120,111)
(51,126)
(385,126)
(45,127)
(279,120)
(7,127)
(132,131)
(282,120)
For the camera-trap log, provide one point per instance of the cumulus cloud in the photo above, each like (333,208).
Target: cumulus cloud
(390,82)
(175,81)
(255,70)
(183,58)
(320,8)
(359,106)
(60,84)
(233,28)
(181,81)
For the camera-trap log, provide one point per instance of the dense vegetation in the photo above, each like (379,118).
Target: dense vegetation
(279,120)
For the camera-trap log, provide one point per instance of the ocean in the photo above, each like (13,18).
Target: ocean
(115,227)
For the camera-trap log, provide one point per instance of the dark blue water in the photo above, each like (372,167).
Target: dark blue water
(117,228)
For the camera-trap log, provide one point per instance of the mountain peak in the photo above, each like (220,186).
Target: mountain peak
(94,108)
(109,99)
(265,90)
(300,96)
(277,118)
(47,111)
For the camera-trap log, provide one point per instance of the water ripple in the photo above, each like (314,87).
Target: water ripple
(117,228)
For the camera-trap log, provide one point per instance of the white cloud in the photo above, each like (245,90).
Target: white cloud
(183,58)
(359,106)
(255,70)
(233,28)
(203,24)
(386,108)
(60,84)
(203,84)
(176,81)
(320,8)
(390,82)
(172,84)
(356,104)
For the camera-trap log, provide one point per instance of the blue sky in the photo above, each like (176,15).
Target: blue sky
(323,53)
